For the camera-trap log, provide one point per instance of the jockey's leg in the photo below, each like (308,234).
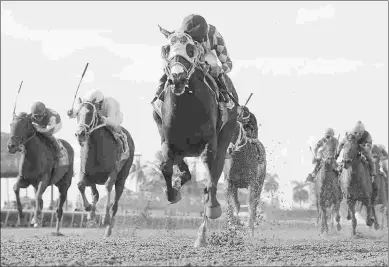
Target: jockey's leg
(366,151)
(161,86)
(55,144)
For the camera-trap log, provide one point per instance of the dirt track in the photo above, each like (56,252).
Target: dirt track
(274,244)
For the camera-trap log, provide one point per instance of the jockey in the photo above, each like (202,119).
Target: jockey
(365,142)
(107,107)
(379,153)
(210,40)
(324,149)
(47,122)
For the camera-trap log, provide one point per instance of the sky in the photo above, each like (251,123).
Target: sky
(310,65)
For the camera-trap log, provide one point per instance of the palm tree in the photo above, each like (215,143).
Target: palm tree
(271,185)
(300,194)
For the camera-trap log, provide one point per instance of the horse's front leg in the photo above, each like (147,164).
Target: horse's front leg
(20,183)
(82,184)
(173,195)
(95,198)
(43,184)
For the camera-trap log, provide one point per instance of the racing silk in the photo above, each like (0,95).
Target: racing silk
(216,42)
(110,109)
(50,124)
(363,141)
(328,147)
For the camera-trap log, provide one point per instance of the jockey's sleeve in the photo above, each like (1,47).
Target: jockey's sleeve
(318,145)
(52,123)
(221,50)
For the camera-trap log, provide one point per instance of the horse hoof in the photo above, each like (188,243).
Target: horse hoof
(200,243)
(213,212)
(338,227)
(174,196)
(56,234)
(108,231)
(88,208)
(35,225)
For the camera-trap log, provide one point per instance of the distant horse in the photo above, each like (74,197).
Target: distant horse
(328,193)
(381,197)
(245,167)
(38,167)
(356,184)
(190,127)
(102,161)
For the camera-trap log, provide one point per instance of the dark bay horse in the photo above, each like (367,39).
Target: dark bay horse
(38,168)
(189,127)
(245,167)
(381,197)
(102,161)
(356,183)
(328,193)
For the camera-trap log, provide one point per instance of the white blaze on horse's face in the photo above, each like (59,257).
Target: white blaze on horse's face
(183,54)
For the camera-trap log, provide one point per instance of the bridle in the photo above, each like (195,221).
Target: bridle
(94,123)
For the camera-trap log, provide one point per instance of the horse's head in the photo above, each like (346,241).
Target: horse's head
(21,131)
(249,121)
(350,150)
(181,56)
(88,119)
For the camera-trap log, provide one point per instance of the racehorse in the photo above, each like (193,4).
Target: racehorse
(38,167)
(356,184)
(102,161)
(245,167)
(328,193)
(189,125)
(382,192)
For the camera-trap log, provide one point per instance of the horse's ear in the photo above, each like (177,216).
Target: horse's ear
(79,100)
(165,32)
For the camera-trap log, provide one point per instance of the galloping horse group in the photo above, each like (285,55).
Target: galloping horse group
(190,124)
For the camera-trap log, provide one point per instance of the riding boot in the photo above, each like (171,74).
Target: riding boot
(56,146)
(160,88)
(224,91)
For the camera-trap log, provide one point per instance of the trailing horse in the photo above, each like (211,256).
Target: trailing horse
(38,167)
(102,161)
(356,184)
(189,125)
(328,193)
(245,167)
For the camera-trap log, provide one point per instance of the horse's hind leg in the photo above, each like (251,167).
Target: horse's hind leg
(184,175)
(108,187)
(376,224)
(20,183)
(351,206)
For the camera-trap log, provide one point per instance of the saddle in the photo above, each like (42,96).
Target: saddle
(121,139)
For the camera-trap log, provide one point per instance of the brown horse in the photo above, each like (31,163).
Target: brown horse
(102,161)
(356,184)
(381,197)
(245,167)
(328,193)
(38,167)
(190,127)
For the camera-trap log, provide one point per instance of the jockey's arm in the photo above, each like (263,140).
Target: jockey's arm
(318,145)
(340,147)
(51,125)
(221,51)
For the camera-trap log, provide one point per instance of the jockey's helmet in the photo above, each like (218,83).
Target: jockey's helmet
(329,132)
(196,26)
(359,128)
(94,96)
(38,108)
